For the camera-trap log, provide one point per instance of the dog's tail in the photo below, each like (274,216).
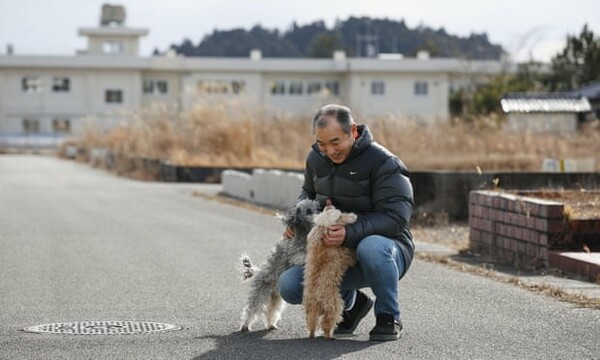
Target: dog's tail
(247,269)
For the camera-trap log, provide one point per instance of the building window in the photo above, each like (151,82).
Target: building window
(31,126)
(156,87)
(313,87)
(277,88)
(31,84)
(221,86)
(299,88)
(237,87)
(333,87)
(61,126)
(377,88)
(112,47)
(421,88)
(61,84)
(296,88)
(113,96)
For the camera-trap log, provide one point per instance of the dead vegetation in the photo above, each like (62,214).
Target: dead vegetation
(228,134)
(487,270)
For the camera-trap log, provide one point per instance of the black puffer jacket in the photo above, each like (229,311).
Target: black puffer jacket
(373,183)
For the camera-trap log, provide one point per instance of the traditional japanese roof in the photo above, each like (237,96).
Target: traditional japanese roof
(544,103)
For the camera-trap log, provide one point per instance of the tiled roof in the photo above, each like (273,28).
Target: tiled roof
(544,103)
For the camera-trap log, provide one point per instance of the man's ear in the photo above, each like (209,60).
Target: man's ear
(354,131)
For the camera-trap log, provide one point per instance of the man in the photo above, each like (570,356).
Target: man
(350,170)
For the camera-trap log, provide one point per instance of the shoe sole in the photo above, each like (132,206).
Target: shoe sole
(382,337)
(361,315)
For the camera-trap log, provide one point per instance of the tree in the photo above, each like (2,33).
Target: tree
(578,63)
(487,98)
(324,45)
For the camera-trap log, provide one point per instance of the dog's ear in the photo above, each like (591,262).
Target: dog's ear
(333,215)
(348,218)
(280,217)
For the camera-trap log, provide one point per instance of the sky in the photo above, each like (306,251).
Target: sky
(527,29)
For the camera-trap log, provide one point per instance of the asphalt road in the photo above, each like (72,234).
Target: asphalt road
(80,244)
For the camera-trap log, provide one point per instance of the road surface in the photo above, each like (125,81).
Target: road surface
(80,244)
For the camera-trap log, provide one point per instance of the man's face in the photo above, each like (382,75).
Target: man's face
(333,142)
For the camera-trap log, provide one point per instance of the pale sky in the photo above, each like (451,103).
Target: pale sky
(525,28)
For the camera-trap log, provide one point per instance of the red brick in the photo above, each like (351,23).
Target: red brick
(543,239)
(531,236)
(476,223)
(474,198)
(540,224)
(519,233)
(487,201)
(533,208)
(556,225)
(582,264)
(543,253)
(512,231)
(552,211)
(497,202)
(497,215)
(549,225)
(521,220)
(513,246)
(521,247)
(532,250)
(489,225)
(508,255)
(587,226)
(476,211)
(531,221)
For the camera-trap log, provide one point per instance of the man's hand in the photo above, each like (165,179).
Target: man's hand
(288,233)
(335,236)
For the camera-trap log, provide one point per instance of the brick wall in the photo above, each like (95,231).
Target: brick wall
(515,228)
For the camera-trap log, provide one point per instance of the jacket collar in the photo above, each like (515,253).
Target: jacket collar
(365,138)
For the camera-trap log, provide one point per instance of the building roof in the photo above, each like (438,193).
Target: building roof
(544,103)
(115,31)
(246,64)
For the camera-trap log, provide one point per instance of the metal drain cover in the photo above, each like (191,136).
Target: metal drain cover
(102,328)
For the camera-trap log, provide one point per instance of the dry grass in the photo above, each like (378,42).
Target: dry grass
(488,271)
(228,134)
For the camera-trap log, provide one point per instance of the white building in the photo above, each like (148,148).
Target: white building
(544,112)
(54,94)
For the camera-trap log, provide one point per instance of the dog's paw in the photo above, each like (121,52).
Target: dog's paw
(247,274)
(273,327)
(246,262)
(245,328)
(247,269)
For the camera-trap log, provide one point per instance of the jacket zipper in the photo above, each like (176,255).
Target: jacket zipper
(332,174)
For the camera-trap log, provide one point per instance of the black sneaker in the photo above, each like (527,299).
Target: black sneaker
(352,318)
(386,329)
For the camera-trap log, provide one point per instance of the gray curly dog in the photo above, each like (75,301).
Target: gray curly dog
(263,296)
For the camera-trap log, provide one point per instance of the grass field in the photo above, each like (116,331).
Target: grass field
(225,135)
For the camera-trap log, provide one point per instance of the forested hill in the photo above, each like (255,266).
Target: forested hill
(357,36)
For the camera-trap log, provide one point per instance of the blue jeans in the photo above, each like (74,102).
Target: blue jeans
(380,265)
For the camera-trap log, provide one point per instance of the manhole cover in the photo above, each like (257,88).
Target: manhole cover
(102,328)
